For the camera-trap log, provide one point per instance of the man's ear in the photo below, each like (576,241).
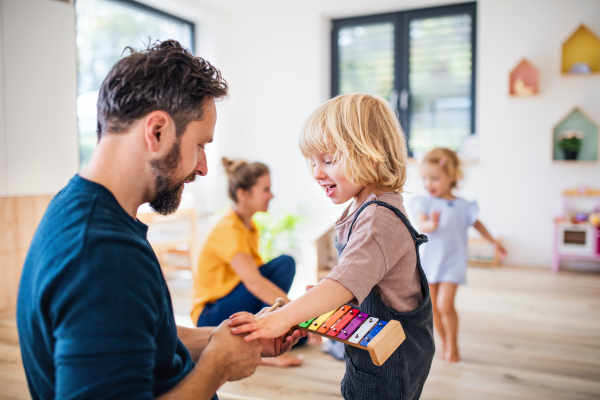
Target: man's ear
(156,127)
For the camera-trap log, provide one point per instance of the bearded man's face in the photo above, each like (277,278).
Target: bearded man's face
(167,185)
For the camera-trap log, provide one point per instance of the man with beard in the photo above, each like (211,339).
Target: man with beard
(94,313)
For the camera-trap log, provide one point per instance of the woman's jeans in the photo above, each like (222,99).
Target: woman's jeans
(280,271)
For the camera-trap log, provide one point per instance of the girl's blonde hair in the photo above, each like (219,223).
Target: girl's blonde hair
(449,162)
(363,133)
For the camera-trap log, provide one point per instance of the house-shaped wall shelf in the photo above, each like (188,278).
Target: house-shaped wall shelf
(581,53)
(524,80)
(578,121)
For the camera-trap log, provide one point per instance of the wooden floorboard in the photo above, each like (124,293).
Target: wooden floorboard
(524,334)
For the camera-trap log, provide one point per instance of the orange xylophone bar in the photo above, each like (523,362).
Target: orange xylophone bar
(355,328)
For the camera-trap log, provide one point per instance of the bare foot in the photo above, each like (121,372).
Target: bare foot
(284,360)
(443,352)
(315,340)
(452,356)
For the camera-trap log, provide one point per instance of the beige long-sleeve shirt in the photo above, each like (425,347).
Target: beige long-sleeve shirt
(380,255)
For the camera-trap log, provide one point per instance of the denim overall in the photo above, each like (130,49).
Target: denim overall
(403,375)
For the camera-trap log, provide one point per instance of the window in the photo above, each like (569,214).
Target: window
(104,29)
(422,61)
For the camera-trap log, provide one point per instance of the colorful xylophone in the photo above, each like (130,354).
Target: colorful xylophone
(355,328)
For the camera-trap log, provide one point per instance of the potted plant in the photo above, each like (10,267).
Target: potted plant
(277,234)
(570,142)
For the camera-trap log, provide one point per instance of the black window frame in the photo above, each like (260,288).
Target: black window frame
(401,21)
(151,10)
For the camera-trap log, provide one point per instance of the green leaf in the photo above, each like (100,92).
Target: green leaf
(572,144)
(277,233)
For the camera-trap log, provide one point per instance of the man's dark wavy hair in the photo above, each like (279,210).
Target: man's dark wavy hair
(165,76)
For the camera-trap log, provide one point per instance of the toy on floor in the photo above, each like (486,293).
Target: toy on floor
(351,326)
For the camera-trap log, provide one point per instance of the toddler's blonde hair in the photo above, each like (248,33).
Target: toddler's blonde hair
(447,160)
(363,133)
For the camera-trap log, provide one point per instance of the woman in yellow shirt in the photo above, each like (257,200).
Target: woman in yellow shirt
(230,275)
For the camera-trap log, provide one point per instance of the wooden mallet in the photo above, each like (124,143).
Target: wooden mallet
(278,303)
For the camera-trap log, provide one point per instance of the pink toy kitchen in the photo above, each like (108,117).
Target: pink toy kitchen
(577,231)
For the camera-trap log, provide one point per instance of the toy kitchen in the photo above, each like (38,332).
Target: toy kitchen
(577,231)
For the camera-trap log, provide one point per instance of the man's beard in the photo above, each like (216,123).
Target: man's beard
(167,188)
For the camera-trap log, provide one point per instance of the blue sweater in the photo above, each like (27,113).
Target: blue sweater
(94,313)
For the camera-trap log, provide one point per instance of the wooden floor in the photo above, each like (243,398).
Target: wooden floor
(524,334)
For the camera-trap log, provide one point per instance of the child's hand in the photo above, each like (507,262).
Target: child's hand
(435,218)
(277,346)
(501,249)
(265,326)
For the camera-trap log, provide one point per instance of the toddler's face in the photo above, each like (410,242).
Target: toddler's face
(435,180)
(330,178)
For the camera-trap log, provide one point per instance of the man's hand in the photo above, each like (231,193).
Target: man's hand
(238,358)
(226,358)
(282,344)
(194,339)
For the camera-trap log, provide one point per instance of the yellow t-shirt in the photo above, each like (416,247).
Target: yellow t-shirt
(214,278)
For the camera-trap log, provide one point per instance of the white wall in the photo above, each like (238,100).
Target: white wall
(516,183)
(276,59)
(39,94)
(274,67)
(2,119)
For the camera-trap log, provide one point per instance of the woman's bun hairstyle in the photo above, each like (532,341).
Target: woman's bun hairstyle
(242,175)
(232,165)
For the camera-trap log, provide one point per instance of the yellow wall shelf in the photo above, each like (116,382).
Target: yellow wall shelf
(581,51)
